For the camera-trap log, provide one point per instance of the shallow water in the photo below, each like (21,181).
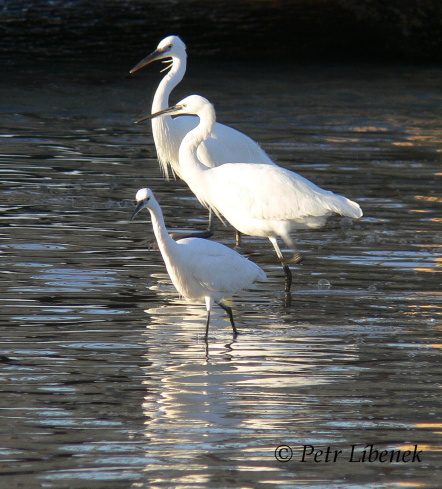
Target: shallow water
(106,380)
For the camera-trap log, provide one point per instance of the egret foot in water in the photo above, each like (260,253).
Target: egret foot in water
(288,277)
(230,314)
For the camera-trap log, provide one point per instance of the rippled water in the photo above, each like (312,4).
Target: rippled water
(106,380)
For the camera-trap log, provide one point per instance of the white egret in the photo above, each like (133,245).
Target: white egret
(223,145)
(201,270)
(258,200)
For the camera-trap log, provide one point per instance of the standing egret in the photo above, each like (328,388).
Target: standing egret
(201,270)
(258,200)
(223,145)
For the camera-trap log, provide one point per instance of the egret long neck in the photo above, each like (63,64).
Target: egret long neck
(165,242)
(191,166)
(168,83)
(162,127)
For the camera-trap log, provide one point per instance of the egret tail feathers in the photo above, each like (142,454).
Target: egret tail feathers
(345,207)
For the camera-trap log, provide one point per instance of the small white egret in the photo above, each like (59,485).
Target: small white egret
(258,200)
(201,270)
(223,145)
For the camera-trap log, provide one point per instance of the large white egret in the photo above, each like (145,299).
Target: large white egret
(223,145)
(258,200)
(200,269)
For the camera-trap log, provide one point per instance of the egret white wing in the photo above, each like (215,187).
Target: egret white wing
(218,268)
(273,192)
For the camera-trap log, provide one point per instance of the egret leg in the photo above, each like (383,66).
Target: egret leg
(287,271)
(288,277)
(238,238)
(230,314)
(210,225)
(207,325)
(297,256)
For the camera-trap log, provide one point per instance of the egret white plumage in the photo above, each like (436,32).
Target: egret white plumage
(258,200)
(200,269)
(223,145)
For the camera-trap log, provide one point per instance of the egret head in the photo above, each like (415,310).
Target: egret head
(169,47)
(191,105)
(144,197)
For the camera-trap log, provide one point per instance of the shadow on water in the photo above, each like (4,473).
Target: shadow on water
(106,379)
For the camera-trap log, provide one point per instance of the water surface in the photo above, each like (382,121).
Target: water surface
(106,380)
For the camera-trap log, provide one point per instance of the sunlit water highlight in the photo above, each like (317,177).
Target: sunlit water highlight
(106,379)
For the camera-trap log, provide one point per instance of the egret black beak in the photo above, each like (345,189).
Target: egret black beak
(156,55)
(174,110)
(140,205)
